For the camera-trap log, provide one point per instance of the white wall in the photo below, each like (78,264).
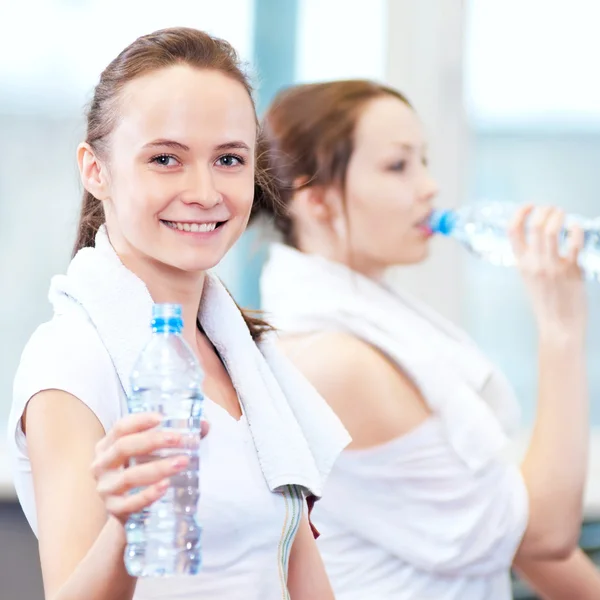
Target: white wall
(341,39)
(39,204)
(533,63)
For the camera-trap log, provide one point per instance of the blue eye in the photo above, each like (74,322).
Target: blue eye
(398,166)
(165,160)
(230,160)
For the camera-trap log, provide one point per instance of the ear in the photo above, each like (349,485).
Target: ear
(94,176)
(316,201)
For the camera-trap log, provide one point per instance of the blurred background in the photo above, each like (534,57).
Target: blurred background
(507,90)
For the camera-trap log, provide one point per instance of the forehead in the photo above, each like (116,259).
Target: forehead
(386,121)
(188,105)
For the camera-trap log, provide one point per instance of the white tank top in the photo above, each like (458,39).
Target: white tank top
(437,513)
(407,520)
(248,531)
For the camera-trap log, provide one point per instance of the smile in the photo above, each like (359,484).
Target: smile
(193,227)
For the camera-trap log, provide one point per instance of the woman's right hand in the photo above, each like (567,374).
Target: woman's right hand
(554,282)
(136,436)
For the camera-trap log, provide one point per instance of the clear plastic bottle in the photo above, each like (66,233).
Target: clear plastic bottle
(482,228)
(164,538)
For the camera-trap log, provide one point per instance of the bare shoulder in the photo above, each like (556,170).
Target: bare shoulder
(373,397)
(62,433)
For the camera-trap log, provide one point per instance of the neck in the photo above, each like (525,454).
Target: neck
(167,284)
(340,251)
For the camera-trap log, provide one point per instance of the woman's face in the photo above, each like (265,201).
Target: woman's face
(389,190)
(180,168)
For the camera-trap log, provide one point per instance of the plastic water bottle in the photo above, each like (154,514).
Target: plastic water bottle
(164,538)
(483,229)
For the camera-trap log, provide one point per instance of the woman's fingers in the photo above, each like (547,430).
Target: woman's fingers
(552,236)
(575,243)
(136,444)
(204,428)
(130,474)
(518,230)
(122,506)
(536,233)
(141,475)
(128,425)
(537,238)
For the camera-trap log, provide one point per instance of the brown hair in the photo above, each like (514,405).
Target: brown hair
(309,132)
(152,52)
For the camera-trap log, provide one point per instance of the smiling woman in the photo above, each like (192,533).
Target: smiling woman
(170,175)
(175,149)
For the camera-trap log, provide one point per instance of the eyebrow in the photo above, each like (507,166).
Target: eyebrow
(237,145)
(162,143)
(406,146)
(167,144)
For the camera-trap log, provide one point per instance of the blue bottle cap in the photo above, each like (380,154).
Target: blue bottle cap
(442,221)
(167,317)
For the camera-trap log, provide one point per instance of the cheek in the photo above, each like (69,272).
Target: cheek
(129,188)
(383,226)
(383,204)
(142,195)
(398,208)
(239,193)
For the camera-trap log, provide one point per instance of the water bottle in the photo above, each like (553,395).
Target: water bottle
(164,538)
(483,229)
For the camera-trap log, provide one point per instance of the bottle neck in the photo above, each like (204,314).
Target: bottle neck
(167,325)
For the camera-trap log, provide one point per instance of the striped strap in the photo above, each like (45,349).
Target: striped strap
(294,502)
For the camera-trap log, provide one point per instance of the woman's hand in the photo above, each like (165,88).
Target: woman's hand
(137,437)
(555,283)
(555,465)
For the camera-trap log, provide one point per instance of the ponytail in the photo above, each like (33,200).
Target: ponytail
(90,220)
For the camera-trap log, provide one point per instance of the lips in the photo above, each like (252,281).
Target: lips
(424,222)
(423,225)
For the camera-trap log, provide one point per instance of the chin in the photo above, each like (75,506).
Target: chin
(422,256)
(414,258)
(197,262)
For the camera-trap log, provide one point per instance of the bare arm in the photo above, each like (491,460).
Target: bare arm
(81,552)
(555,465)
(307,579)
(554,468)
(81,546)
(574,577)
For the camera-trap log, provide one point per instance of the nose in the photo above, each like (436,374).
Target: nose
(200,188)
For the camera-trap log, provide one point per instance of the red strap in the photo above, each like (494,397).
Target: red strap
(310,502)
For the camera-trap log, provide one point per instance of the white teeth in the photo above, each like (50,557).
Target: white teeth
(193,227)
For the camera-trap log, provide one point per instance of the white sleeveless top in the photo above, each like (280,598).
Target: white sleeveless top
(420,525)
(435,514)
(247,529)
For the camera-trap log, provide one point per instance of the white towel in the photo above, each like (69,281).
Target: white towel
(307,293)
(296,435)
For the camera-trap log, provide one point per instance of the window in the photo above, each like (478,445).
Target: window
(534,108)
